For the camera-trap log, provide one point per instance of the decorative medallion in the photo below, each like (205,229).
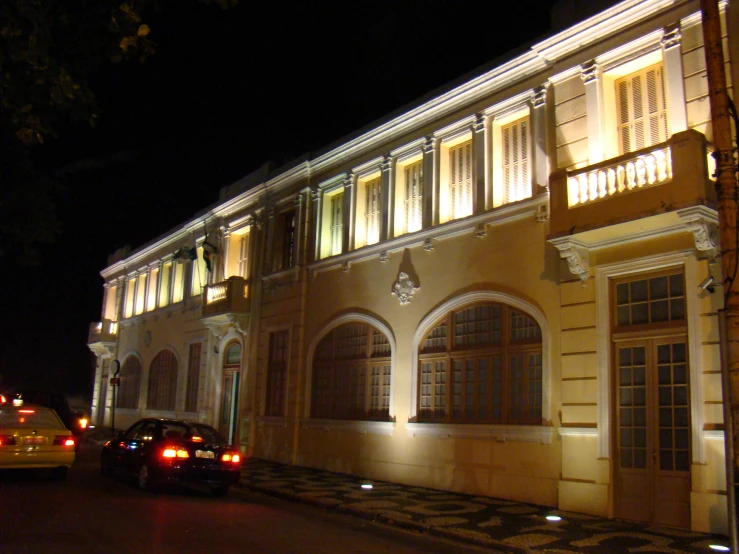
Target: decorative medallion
(404,288)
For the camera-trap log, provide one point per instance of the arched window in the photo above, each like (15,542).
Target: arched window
(130,383)
(481,364)
(351,374)
(163,381)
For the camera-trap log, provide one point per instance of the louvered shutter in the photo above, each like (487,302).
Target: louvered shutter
(516,167)
(337,223)
(372,211)
(413,196)
(460,179)
(642,111)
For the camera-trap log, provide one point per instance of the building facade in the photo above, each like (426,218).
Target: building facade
(495,292)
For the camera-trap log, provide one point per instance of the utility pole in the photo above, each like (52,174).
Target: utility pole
(728,201)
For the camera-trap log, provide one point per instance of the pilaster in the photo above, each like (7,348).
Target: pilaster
(674,81)
(590,74)
(478,151)
(540,162)
(430,183)
(388,198)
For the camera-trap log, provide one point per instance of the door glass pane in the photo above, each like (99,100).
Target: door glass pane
(632,399)
(673,411)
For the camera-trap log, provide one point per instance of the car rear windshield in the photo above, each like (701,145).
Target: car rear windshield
(30,417)
(209,434)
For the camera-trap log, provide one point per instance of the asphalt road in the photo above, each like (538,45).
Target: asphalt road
(90,514)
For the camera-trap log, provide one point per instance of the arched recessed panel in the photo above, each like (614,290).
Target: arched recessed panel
(352,373)
(163,381)
(481,363)
(130,383)
(233,354)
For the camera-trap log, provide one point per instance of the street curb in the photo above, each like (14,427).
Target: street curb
(382,517)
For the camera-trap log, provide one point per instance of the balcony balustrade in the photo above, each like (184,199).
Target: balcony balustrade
(227,297)
(664,178)
(105,331)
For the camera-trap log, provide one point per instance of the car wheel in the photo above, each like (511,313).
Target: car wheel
(145,478)
(106,466)
(220,490)
(59,473)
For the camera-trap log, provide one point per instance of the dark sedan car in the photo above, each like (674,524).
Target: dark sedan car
(170,451)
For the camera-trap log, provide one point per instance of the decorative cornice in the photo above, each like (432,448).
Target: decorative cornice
(672,37)
(539,97)
(589,71)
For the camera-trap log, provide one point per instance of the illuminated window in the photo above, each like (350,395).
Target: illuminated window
(163,381)
(460,179)
(193,377)
(337,223)
(130,291)
(516,164)
(277,374)
(178,281)
(413,180)
(244,256)
(110,303)
(351,374)
(140,294)
(641,109)
(372,211)
(482,364)
(130,383)
(151,289)
(164,284)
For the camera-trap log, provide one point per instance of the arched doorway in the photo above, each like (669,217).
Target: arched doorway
(230,387)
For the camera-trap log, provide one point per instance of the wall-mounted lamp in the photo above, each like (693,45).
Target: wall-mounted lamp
(708,284)
(215,346)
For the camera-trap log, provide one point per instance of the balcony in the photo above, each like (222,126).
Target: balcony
(226,299)
(102,336)
(655,191)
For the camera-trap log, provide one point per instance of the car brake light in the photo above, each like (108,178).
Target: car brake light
(171,452)
(27,411)
(7,440)
(63,440)
(233,458)
(3,400)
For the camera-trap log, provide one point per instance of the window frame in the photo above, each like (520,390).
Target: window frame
(364,378)
(275,399)
(451,383)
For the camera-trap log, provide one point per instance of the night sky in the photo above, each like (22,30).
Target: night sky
(225,92)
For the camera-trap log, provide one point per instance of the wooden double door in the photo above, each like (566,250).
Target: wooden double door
(652,430)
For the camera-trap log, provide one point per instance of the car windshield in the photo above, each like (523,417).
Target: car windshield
(208,434)
(29,417)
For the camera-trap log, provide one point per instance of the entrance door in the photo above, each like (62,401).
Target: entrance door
(653,431)
(229,408)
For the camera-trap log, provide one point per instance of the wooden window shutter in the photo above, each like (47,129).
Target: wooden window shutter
(641,109)
(516,166)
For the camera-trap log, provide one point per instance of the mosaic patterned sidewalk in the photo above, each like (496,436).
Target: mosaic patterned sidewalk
(502,525)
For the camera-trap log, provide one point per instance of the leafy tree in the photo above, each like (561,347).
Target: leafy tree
(48,50)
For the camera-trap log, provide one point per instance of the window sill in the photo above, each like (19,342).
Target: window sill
(365,427)
(498,433)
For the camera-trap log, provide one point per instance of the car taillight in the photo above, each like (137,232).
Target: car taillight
(173,452)
(63,440)
(7,440)
(231,457)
